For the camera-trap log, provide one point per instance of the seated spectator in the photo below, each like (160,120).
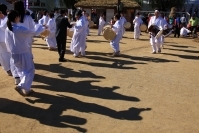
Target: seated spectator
(184,31)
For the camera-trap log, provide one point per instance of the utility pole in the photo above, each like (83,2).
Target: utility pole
(118,6)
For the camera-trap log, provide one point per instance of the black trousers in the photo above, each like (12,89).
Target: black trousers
(193,29)
(61,45)
(177,31)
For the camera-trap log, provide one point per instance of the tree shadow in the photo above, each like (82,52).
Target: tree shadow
(190,57)
(141,39)
(188,51)
(39,44)
(171,42)
(178,46)
(51,116)
(96,41)
(127,37)
(84,88)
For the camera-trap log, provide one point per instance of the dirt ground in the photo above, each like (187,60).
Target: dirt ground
(138,92)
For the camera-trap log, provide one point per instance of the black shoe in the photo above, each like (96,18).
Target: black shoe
(62,60)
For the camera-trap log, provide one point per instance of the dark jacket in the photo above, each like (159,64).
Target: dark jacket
(61,26)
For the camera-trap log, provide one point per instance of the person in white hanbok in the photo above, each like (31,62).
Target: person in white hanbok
(137,22)
(19,49)
(25,21)
(45,17)
(101,24)
(87,24)
(184,31)
(56,14)
(156,42)
(78,42)
(117,28)
(166,25)
(123,21)
(4,54)
(41,21)
(51,39)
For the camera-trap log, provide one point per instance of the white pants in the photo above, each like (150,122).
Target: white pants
(123,30)
(155,43)
(51,42)
(14,70)
(88,31)
(137,32)
(4,57)
(79,49)
(162,40)
(115,42)
(100,28)
(25,68)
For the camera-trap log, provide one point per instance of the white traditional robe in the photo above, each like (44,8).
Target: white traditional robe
(184,31)
(101,25)
(51,39)
(117,28)
(137,22)
(156,42)
(78,42)
(87,27)
(123,21)
(56,15)
(41,21)
(29,24)
(45,18)
(166,25)
(21,57)
(4,54)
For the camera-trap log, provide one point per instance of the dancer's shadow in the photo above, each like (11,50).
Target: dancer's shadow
(115,63)
(119,61)
(96,55)
(60,103)
(148,59)
(67,72)
(84,88)
(51,116)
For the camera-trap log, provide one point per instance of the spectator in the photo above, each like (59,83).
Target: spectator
(191,10)
(196,11)
(177,26)
(183,20)
(112,22)
(194,22)
(184,31)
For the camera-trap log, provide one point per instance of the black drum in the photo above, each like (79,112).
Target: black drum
(155,31)
(167,32)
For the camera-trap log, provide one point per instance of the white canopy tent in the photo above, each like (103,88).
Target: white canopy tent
(10,6)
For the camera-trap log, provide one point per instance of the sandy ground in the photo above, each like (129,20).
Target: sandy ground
(137,92)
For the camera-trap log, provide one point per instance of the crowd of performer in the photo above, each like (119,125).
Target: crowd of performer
(17,30)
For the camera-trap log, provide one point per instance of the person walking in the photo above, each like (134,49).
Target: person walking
(137,22)
(61,33)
